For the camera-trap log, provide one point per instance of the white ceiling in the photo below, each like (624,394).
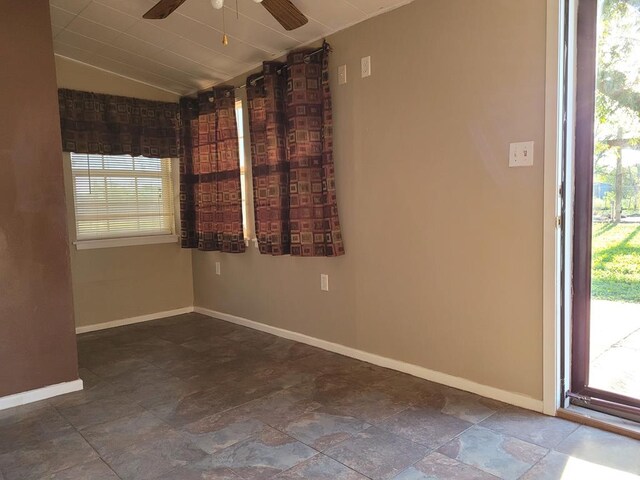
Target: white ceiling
(184,52)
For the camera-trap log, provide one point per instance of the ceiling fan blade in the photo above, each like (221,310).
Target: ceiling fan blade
(286,13)
(163,9)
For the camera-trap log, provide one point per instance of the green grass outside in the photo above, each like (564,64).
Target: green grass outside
(616,262)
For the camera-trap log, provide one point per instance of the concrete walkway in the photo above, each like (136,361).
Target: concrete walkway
(615,347)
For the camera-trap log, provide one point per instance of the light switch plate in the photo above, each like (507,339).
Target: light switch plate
(324,282)
(365,66)
(217,268)
(342,74)
(521,154)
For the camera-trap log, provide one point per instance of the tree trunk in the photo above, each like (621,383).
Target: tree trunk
(619,174)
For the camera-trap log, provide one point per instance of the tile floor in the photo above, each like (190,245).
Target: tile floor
(191,397)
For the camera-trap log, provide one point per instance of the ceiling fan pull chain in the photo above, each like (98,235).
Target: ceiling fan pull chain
(225,39)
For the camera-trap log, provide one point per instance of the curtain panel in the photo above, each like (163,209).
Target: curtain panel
(101,124)
(210,193)
(291,128)
(269,161)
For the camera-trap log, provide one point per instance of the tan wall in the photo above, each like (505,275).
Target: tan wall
(37,341)
(444,241)
(117,283)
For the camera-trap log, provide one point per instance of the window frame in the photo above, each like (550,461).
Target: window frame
(245,168)
(128,240)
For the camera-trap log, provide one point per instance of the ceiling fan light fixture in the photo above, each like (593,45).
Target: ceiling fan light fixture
(284,11)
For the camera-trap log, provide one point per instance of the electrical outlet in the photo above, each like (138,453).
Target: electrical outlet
(217,268)
(521,154)
(365,66)
(342,74)
(324,282)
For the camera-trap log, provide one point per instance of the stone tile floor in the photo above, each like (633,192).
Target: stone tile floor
(190,397)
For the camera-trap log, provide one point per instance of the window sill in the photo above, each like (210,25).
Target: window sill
(125,242)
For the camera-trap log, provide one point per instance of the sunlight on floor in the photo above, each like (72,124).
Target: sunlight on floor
(581,469)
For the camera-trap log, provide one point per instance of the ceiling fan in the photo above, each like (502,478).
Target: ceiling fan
(285,12)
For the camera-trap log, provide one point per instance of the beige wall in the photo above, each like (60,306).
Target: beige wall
(37,340)
(444,241)
(117,283)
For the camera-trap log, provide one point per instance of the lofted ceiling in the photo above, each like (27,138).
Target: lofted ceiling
(184,52)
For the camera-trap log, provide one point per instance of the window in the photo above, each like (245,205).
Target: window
(243,167)
(119,196)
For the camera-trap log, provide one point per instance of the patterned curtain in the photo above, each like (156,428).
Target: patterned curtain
(307,220)
(112,125)
(210,194)
(270,165)
(188,179)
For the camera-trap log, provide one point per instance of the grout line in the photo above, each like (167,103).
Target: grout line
(417,461)
(110,468)
(85,440)
(294,466)
(344,464)
(536,463)
(320,452)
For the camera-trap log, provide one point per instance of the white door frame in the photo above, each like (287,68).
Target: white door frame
(552,255)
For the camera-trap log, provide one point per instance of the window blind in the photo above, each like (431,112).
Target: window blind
(122,196)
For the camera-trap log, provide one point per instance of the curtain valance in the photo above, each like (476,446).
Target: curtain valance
(113,125)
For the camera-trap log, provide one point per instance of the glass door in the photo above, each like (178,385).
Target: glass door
(606,245)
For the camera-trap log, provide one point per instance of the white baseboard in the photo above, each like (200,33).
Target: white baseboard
(511,398)
(38,394)
(132,320)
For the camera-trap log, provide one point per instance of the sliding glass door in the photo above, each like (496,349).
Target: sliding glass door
(606,246)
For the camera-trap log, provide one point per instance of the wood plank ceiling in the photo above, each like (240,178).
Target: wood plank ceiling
(184,52)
